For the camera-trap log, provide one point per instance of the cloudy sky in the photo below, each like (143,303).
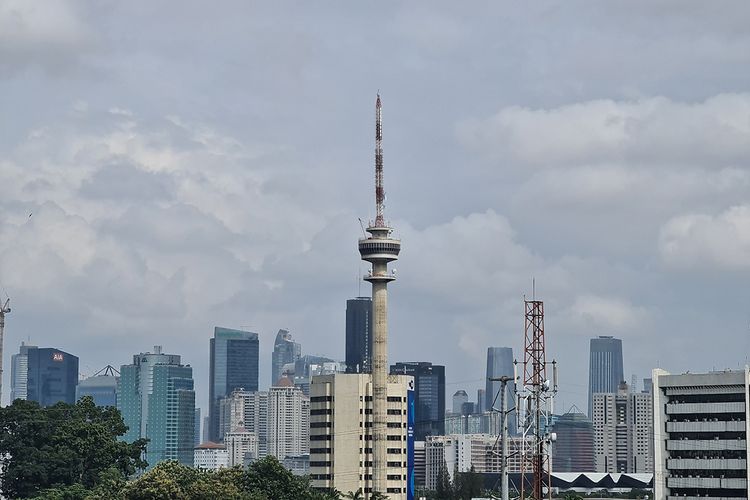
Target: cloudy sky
(190,165)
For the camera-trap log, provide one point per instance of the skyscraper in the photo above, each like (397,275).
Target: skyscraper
(102,387)
(499,364)
(233,365)
(157,401)
(459,398)
(573,451)
(19,372)
(52,376)
(358,335)
(605,367)
(285,350)
(429,396)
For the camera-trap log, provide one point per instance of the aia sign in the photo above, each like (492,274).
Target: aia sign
(57,356)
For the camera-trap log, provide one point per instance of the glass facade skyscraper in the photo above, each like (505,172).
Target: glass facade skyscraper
(358,335)
(285,351)
(605,367)
(157,400)
(500,363)
(233,365)
(101,387)
(52,376)
(19,372)
(429,397)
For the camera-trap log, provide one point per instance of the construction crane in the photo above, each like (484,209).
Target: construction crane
(5,309)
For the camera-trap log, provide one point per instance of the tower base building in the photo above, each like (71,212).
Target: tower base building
(341,434)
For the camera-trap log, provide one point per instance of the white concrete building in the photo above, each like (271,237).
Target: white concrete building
(341,433)
(459,452)
(242,446)
(279,418)
(623,430)
(210,456)
(702,423)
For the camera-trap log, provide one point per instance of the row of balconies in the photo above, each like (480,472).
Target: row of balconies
(708,408)
(730,426)
(707,482)
(706,464)
(707,444)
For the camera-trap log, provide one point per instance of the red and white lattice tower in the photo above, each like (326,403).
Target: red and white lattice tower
(534,403)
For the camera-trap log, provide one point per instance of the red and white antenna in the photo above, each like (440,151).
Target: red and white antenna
(379,188)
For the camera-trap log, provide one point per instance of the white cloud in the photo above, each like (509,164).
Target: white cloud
(650,131)
(607,314)
(708,241)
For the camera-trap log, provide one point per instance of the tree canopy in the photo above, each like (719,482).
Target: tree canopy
(62,445)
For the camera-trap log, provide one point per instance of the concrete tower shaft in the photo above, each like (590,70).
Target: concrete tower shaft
(379,249)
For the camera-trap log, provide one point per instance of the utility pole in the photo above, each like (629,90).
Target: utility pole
(504,436)
(4,309)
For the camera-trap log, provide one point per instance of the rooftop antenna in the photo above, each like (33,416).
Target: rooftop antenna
(4,309)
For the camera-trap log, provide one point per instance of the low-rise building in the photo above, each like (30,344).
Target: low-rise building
(210,456)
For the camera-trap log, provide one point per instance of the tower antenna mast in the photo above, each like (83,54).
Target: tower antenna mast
(379,248)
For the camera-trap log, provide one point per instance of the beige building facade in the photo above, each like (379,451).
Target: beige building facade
(341,433)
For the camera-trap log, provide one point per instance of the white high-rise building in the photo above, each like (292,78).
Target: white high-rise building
(242,446)
(19,373)
(279,418)
(341,438)
(288,421)
(461,452)
(623,430)
(701,443)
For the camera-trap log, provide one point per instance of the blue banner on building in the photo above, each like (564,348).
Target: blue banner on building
(410,442)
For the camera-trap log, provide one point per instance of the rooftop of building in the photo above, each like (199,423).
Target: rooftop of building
(210,445)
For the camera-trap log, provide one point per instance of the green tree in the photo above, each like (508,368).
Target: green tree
(62,446)
(354,495)
(468,484)
(444,488)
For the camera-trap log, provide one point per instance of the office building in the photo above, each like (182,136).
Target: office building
(157,401)
(101,387)
(210,456)
(429,396)
(19,372)
(233,365)
(52,376)
(573,450)
(701,447)
(623,427)
(248,410)
(308,366)
(419,464)
(299,465)
(285,350)
(482,401)
(499,364)
(605,367)
(197,424)
(341,454)
(486,423)
(358,335)
(459,398)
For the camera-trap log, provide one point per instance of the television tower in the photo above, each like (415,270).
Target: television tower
(379,249)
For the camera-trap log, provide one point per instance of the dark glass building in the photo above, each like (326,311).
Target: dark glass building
(500,363)
(358,335)
(102,387)
(573,451)
(233,365)
(605,366)
(52,376)
(429,397)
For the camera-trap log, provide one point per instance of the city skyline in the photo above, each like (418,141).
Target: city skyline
(145,202)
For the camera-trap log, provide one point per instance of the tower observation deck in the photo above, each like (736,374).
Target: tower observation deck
(379,249)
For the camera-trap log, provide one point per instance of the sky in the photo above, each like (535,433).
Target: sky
(167,167)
